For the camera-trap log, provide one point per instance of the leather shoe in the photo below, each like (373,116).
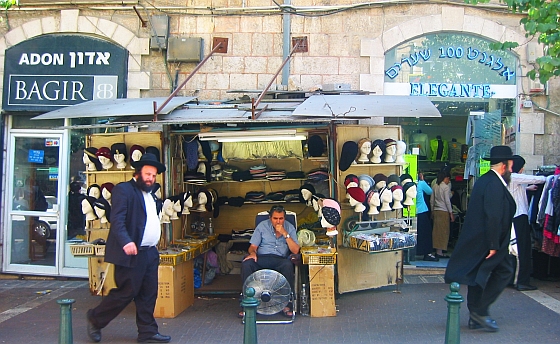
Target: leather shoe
(93,332)
(486,322)
(156,338)
(525,287)
(473,325)
(430,258)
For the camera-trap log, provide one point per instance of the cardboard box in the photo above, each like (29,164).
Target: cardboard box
(101,276)
(176,289)
(321,290)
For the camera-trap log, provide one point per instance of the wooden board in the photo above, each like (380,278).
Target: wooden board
(321,290)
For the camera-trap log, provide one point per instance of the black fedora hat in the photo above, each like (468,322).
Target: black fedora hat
(150,160)
(499,154)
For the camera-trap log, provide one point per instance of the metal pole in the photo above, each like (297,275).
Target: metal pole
(453,328)
(249,305)
(286,33)
(65,332)
(217,47)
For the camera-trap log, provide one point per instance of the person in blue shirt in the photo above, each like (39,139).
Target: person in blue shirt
(271,244)
(424,244)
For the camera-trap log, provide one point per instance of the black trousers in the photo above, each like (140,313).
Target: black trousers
(424,234)
(479,299)
(523,260)
(139,284)
(269,261)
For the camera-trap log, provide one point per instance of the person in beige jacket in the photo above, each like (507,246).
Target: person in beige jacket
(442,212)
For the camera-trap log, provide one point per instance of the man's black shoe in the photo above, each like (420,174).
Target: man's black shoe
(473,325)
(156,338)
(93,332)
(486,322)
(430,258)
(525,287)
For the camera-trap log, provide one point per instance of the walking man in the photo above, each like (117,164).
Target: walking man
(131,246)
(481,256)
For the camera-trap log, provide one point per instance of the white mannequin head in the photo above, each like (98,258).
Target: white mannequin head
(400,150)
(136,155)
(188,203)
(397,197)
(390,152)
(90,166)
(167,211)
(100,213)
(386,196)
(374,202)
(119,158)
(106,194)
(176,207)
(87,210)
(317,203)
(202,200)
(410,195)
(94,192)
(106,163)
(376,155)
(364,148)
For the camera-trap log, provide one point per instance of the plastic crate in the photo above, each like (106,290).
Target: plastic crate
(171,258)
(99,250)
(82,250)
(319,258)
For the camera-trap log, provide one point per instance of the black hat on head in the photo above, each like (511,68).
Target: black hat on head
(315,146)
(405,176)
(381,145)
(347,155)
(102,203)
(518,163)
(150,160)
(499,154)
(154,151)
(119,148)
(91,153)
(308,187)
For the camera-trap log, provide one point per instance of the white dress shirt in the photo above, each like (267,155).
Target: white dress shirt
(517,187)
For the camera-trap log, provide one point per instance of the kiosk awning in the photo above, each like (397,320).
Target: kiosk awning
(365,106)
(116,108)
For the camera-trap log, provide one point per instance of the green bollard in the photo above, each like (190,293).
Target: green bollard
(249,305)
(453,330)
(65,333)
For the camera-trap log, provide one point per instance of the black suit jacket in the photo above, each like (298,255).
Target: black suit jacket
(487,227)
(128,220)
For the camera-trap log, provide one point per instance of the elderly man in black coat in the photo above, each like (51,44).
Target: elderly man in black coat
(481,256)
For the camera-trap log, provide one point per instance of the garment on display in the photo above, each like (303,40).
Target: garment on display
(420,140)
(90,160)
(120,155)
(105,158)
(380,181)
(356,198)
(439,148)
(377,151)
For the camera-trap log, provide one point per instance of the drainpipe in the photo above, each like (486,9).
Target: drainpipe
(286,44)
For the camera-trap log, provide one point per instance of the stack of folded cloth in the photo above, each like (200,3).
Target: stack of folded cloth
(318,175)
(227,171)
(216,172)
(291,195)
(258,171)
(275,196)
(275,175)
(194,177)
(242,234)
(241,176)
(255,196)
(295,175)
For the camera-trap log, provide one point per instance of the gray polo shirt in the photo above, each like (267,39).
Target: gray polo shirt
(265,239)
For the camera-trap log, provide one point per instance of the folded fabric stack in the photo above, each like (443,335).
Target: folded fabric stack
(216,172)
(275,175)
(255,196)
(275,196)
(318,175)
(241,176)
(258,171)
(227,172)
(291,195)
(194,177)
(242,234)
(295,175)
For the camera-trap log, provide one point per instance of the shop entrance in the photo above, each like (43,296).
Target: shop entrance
(34,202)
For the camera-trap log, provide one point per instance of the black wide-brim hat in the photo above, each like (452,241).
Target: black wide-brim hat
(150,160)
(499,154)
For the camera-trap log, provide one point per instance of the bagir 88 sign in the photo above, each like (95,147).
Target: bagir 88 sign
(54,71)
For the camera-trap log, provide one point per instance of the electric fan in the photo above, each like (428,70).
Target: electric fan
(271,289)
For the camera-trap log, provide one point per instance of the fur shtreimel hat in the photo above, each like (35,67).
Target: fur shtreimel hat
(347,155)
(119,148)
(315,146)
(150,160)
(356,193)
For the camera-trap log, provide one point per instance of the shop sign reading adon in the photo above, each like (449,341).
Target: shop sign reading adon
(53,71)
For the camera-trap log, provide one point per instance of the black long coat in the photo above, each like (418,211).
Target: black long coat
(128,221)
(487,227)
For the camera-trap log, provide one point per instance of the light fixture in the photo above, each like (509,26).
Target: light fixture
(253,136)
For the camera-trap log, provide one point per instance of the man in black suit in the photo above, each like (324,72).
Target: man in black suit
(131,246)
(481,256)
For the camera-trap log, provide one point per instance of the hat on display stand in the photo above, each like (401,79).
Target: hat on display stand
(347,155)
(331,216)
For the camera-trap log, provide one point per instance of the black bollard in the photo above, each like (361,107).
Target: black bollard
(249,305)
(65,333)
(453,328)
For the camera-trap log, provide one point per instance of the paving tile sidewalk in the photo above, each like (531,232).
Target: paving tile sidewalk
(417,315)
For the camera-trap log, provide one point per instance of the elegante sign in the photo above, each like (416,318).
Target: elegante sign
(450,90)
(53,71)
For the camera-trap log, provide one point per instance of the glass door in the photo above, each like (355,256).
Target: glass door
(34,202)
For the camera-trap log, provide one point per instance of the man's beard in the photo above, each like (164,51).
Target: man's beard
(507,176)
(142,184)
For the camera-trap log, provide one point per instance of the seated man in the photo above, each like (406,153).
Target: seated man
(271,244)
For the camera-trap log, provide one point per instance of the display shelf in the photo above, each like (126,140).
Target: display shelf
(246,181)
(379,165)
(110,171)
